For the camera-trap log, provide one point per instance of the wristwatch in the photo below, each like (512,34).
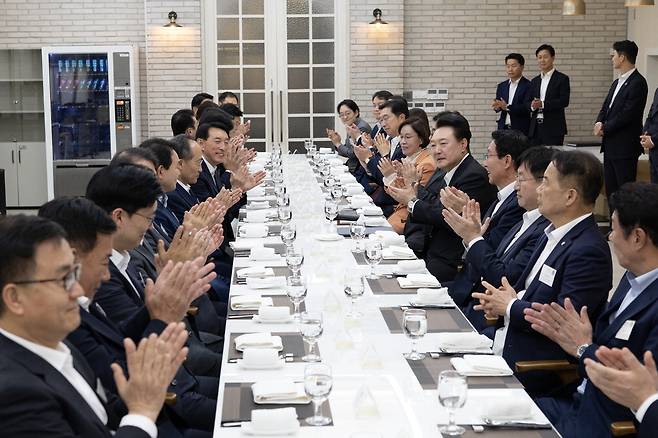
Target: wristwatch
(410,204)
(581,350)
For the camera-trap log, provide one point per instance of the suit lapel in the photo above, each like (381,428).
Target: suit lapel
(101,326)
(641,302)
(438,174)
(500,251)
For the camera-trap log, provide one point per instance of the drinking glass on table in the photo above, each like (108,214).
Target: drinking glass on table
(311,327)
(336,192)
(294,259)
(317,385)
(357,233)
(282,199)
(415,327)
(374,255)
(284,214)
(330,211)
(288,233)
(452,389)
(296,291)
(279,189)
(353,287)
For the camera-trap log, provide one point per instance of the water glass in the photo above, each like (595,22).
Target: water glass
(288,233)
(415,327)
(279,189)
(374,255)
(282,199)
(330,210)
(336,192)
(354,288)
(296,291)
(284,214)
(452,389)
(358,233)
(294,259)
(311,327)
(317,385)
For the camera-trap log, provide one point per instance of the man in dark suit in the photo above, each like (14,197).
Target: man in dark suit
(619,122)
(561,267)
(629,321)
(649,138)
(547,99)
(511,96)
(46,387)
(442,249)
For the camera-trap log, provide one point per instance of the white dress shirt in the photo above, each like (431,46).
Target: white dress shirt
(545,80)
(513,85)
(121,260)
(529,218)
(645,406)
(620,83)
(448,176)
(395,144)
(187,188)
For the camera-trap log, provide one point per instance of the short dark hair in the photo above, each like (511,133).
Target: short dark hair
(20,235)
(232,110)
(216,115)
(203,107)
(510,142)
(458,123)
(82,220)
(381,94)
(420,127)
(132,155)
(627,48)
(200,97)
(548,47)
(397,107)
(536,159)
(516,56)
(348,103)
(130,188)
(182,147)
(636,204)
(204,129)
(225,94)
(585,169)
(162,149)
(420,114)
(181,121)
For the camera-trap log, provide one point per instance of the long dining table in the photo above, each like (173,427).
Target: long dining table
(376,391)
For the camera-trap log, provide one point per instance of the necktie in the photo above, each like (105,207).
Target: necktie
(218,179)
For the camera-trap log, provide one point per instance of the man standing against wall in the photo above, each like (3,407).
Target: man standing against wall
(619,122)
(511,96)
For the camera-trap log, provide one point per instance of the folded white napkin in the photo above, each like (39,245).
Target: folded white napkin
(256,191)
(432,296)
(398,253)
(254,230)
(359,202)
(410,267)
(375,221)
(372,210)
(263,253)
(508,409)
(255,217)
(279,392)
(258,205)
(250,302)
(412,281)
(255,271)
(325,151)
(353,190)
(345,177)
(481,365)
(336,160)
(265,422)
(266,282)
(339,170)
(260,358)
(388,238)
(273,314)
(262,198)
(258,340)
(245,244)
(464,341)
(327,237)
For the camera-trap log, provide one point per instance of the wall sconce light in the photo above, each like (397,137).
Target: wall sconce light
(573,7)
(172,20)
(377,13)
(636,3)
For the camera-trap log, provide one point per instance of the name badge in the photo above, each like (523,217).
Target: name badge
(547,275)
(624,332)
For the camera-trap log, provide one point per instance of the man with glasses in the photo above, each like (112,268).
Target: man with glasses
(571,261)
(46,387)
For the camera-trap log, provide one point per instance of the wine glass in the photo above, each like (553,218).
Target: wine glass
(374,251)
(317,385)
(353,287)
(357,233)
(311,327)
(282,199)
(279,189)
(296,291)
(415,327)
(330,211)
(284,214)
(452,388)
(288,233)
(294,259)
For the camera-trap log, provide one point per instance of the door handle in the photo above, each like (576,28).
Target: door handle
(19,156)
(281,114)
(12,157)
(272,105)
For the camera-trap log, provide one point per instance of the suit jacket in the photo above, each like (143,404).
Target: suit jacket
(518,111)
(443,248)
(180,201)
(166,219)
(380,197)
(651,126)
(556,100)
(598,410)
(37,400)
(649,422)
(622,122)
(581,252)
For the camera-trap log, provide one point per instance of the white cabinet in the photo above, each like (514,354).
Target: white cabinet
(25,173)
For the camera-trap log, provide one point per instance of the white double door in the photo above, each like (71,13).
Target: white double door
(287,61)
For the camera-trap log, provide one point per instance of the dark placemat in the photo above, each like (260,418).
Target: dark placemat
(361,259)
(277,300)
(239,402)
(272,204)
(387,286)
(427,372)
(438,320)
(344,230)
(293,343)
(279,248)
(279,271)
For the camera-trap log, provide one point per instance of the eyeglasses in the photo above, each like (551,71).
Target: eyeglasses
(148,218)
(345,115)
(67,281)
(522,180)
(487,155)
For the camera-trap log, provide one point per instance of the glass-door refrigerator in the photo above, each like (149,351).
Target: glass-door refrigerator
(91,111)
